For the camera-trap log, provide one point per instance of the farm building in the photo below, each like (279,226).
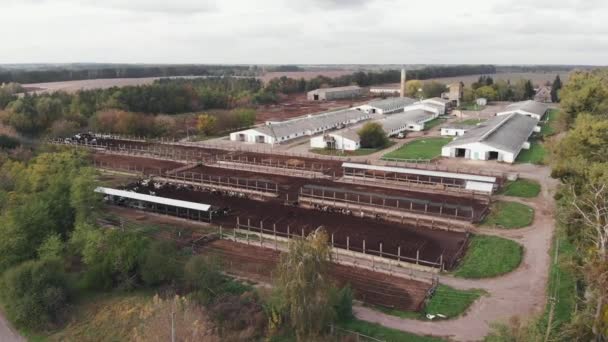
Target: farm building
(428,107)
(345,139)
(334,93)
(529,108)
(543,94)
(384,90)
(278,132)
(482,101)
(443,104)
(454,94)
(348,139)
(500,138)
(387,106)
(412,120)
(455,130)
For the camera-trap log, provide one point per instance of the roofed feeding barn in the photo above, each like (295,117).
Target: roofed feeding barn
(336,93)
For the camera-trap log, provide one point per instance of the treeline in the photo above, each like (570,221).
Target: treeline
(59,113)
(71,73)
(450,71)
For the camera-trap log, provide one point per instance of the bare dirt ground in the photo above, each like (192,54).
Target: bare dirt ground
(7,333)
(520,293)
(100,83)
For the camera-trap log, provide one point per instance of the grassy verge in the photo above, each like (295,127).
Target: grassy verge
(534,155)
(446,301)
(489,256)
(433,123)
(509,215)
(359,152)
(428,148)
(521,188)
(386,334)
(549,128)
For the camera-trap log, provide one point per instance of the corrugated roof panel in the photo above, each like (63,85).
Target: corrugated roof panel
(153,199)
(410,171)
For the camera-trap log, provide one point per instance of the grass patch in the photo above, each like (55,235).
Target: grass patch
(549,126)
(428,148)
(534,155)
(471,122)
(386,334)
(359,152)
(433,123)
(521,188)
(489,256)
(446,301)
(509,215)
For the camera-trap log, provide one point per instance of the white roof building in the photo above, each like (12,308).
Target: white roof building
(278,132)
(334,93)
(387,106)
(529,108)
(443,104)
(500,138)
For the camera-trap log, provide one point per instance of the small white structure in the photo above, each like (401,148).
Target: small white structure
(482,101)
(455,130)
(529,108)
(346,139)
(387,106)
(335,93)
(500,138)
(412,120)
(282,131)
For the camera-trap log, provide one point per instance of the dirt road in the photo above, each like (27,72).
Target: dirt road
(7,334)
(519,293)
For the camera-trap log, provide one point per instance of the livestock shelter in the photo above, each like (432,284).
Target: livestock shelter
(282,131)
(500,138)
(455,130)
(529,108)
(387,106)
(412,120)
(336,93)
(384,90)
(429,107)
(345,139)
(442,104)
(471,182)
(168,206)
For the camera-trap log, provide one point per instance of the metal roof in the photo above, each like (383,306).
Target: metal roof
(153,199)
(506,132)
(486,179)
(528,106)
(392,103)
(312,123)
(326,90)
(437,99)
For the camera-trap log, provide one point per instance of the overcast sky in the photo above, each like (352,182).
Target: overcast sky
(305,32)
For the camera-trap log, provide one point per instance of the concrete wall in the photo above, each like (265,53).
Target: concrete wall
(341,142)
(478,151)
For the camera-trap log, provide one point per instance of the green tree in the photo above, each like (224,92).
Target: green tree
(372,135)
(412,88)
(160,264)
(433,89)
(486,92)
(202,276)
(528,90)
(34,292)
(303,284)
(555,88)
(245,117)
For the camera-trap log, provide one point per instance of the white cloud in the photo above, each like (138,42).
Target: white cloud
(315,31)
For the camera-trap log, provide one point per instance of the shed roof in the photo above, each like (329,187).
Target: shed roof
(437,99)
(153,199)
(396,121)
(326,90)
(506,132)
(528,106)
(392,103)
(313,122)
(411,171)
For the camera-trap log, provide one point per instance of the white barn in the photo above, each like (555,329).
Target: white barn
(529,108)
(442,104)
(455,130)
(346,139)
(384,90)
(387,106)
(500,138)
(335,93)
(282,131)
(428,107)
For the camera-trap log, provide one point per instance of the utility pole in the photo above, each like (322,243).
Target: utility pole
(172,322)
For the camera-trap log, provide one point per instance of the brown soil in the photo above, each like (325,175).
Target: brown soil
(430,244)
(370,287)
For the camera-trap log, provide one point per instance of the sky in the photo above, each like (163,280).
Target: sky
(305,32)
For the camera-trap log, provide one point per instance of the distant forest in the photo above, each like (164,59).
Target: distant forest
(73,72)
